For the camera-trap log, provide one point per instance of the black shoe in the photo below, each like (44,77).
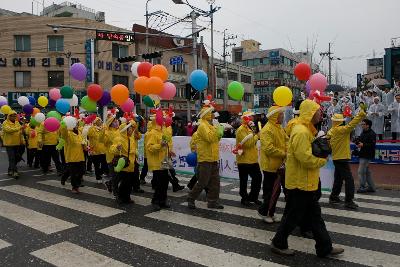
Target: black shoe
(138,191)
(156,207)
(307,234)
(370,190)
(362,190)
(245,203)
(15,175)
(335,200)
(178,188)
(81,185)
(336,251)
(351,205)
(215,206)
(10,173)
(165,206)
(191,203)
(62,182)
(142,181)
(283,252)
(257,202)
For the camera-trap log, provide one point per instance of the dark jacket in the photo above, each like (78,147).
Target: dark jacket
(368,138)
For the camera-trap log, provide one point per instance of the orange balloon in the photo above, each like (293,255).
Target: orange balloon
(139,85)
(35,111)
(154,85)
(119,94)
(159,71)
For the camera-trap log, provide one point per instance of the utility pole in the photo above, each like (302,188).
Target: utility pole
(193,16)
(227,38)
(212,50)
(330,59)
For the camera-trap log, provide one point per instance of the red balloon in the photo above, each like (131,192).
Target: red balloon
(144,69)
(95,92)
(302,71)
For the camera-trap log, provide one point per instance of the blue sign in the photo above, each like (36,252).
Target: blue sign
(359,80)
(274,54)
(176,60)
(384,154)
(88,49)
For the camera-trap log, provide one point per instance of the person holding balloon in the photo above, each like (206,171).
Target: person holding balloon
(12,132)
(32,145)
(98,149)
(111,132)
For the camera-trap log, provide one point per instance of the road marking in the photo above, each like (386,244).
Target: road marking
(22,171)
(4,244)
(67,202)
(351,254)
(142,201)
(66,254)
(186,180)
(148,189)
(8,179)
(35,220)
(181,248)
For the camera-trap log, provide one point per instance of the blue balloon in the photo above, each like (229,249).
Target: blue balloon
(199,80)
(32,100)
(62,106)
(191,159)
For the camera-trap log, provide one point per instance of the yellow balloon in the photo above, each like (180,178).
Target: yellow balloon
(43,101)
(282,96)
(5,109)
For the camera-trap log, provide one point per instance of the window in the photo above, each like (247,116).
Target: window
(265,61)
(55,43)
(245,78)
(238,55)
(22,79)
(116,79)
(55,78)
(119,50)
(180,68)
(232,76)
(156,61)
(22,43)
(258,75)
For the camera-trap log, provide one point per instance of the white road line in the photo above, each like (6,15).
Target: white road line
(142,201)
(351,254)
(22,171)
(67,202)
(186,180)
(4,244)
(181,248)
(148,189)
(33,219)
(8,179)
(66,254)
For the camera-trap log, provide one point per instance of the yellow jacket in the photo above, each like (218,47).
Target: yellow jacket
(109,135)
(125,141)
(12,133)
(96,140)
(250,151)
(207,142)
(47,138)
(193,142)
(339,137)
(273,145)
(32,136)
(302,167)
(73,148)
(155,151)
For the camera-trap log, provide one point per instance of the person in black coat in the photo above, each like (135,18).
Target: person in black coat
(366,145)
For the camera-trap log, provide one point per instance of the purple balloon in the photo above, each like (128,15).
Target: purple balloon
(28,109)
(78,71)
(105,99)
(308,87)
(52,103)
(2,103)
(32,100)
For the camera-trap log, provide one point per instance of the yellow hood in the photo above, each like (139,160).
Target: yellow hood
(307,111)
(273,113)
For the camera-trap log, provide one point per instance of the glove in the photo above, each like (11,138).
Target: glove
(60,145)
(220,131)
(120,165)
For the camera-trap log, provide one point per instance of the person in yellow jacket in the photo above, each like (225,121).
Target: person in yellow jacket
(12,132)
(157,150)
(247,159)
(74,147)
(111,132)
(339,139)
(145,168)
(125,146)
(208,137)
(193,148)
(32,146)
(301,181)
(273,153)
(97,150)
(48,141)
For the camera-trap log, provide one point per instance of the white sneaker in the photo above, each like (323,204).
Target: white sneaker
(268,219)
(276,219)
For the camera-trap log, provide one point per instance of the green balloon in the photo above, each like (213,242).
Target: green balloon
(33,122)
(54,114)
(66,92)
(120,165)
(88,104)
(235,90)
(148,101)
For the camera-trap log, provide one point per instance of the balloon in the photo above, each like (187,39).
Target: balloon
(52,103)
(32,100)
(119,94)
(33,122)
(144,69)
(168,92)
(308,87)
(302,71)
(78,72)
(191,159)
(235,90)
(70,122)
(62,106)
(159,71)
(282,96)
(51,124)
(148,101)
(54,114)
(28,109)
(43,101)
(128,105)
(88,105)
(74,101)
(139,85)
(318,82)
(105,99)
(134,69)
(95,92)
(3,101)
(154,85)
(5,109)
(39,117)
(35,111)
(199,80)
(120,164)
(55,94)
(23,100)
(66,92)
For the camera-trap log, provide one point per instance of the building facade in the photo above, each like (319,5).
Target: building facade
(392,65)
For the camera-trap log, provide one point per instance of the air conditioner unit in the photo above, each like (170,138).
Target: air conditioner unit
(178,41)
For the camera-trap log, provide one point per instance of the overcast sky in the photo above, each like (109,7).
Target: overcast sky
(355,27)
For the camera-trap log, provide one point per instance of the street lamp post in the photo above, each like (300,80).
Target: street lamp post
(147,25)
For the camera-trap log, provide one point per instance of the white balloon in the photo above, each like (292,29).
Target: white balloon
(40,117)
(23,100)
(73,101)
(3,99)
(134,68)
(70,122)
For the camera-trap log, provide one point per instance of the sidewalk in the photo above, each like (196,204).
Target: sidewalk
(385,176)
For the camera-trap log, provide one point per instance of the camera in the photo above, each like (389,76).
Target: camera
(55,29)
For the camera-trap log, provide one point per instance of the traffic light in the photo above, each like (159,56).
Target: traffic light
(126,59)
(151,55)
(191,93)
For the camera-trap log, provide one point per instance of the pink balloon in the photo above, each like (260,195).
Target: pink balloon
(128,105)
(168,92)
(318,82)
(55,94)
(51,124)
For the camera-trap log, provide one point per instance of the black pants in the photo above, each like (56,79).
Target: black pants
(145,169)
(305,225)
(160,180)
(271,192)
(114,179)
(76,171)
(125,186)
(12,153)
(172,178)
(33,157)
(88,161)
(394,136)
(300,204)
(100,165)
(252,170)
(135,181)
(49,152)
(343,173)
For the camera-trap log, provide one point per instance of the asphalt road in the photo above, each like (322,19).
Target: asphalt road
(43,224)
